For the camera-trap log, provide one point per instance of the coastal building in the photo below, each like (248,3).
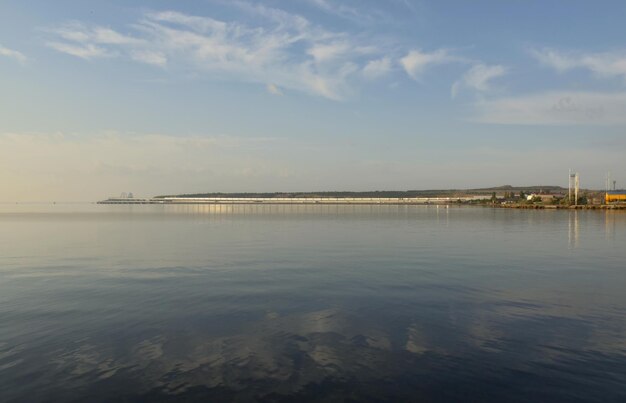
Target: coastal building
(539,196)
(615,196)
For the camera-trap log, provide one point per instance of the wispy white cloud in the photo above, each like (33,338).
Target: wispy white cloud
(608,64)
(417,61)
(555,108)
(85,42)
(377,68)
(13,54)
(328,51)
(286,49)
(111,37)
(478,78)
(84,51)
(81,33)
(198,24)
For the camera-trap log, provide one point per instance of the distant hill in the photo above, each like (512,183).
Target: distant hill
(509,188)
(387,193)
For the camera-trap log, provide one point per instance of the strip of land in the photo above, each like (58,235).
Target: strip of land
(526,197)
(287,200)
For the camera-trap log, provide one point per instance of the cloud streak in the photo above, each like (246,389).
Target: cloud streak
(478,78)
(12,54)
(84,51)
(377,68)
(602,65)
(417,61)
(285,49)
(273,46)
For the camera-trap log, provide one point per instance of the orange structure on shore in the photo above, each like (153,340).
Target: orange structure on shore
(615,196)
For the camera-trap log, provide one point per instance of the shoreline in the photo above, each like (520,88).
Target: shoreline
(294,200)
(558,207)
(430,201)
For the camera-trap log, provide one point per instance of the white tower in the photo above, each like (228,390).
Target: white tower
(573,184)
(569,186)
(577,186)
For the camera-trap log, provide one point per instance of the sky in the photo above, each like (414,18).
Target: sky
(168,97)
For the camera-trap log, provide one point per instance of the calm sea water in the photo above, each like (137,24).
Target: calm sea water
(311,303)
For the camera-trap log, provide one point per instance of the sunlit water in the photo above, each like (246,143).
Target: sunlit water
(311,303)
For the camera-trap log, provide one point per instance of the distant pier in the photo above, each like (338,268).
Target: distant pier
(353,201)
(290,200)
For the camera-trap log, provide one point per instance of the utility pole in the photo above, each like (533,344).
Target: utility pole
(576,191)
(607,187)
(569,187)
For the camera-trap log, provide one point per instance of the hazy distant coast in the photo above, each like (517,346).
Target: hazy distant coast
(525,197)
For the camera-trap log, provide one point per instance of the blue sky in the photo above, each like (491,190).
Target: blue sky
(161,97)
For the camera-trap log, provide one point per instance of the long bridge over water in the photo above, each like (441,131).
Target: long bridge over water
(291,200)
